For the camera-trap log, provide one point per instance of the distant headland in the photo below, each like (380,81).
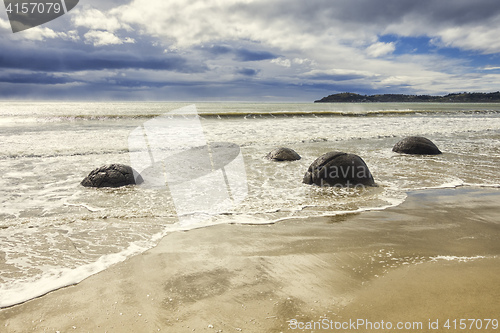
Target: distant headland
(400,98)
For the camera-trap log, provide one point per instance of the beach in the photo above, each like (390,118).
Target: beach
(232,241)
(431,259)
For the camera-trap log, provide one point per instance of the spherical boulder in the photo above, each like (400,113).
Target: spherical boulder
(112,175)
(416,145)
(283,154)
(339,169)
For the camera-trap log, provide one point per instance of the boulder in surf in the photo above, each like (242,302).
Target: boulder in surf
(416,145)
(283,154)
(339,169)
(112,175)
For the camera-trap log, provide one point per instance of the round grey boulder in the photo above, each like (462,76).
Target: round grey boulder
(112,175)
(339,169)
(416,145)
(283,154)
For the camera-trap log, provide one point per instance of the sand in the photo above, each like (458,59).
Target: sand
(431,259)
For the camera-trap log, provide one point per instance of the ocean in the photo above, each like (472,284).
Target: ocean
(55,232)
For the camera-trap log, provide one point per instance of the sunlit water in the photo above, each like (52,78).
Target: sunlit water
(54,232)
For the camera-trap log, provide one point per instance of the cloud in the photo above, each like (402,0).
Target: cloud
(94,19)
(102,38)
(462,24)
(321,25)
(4,24)
(249,55)
(49,60)
(219,49)
(338,75)
(380,49)
(329,32)
(240,53)
(102,27)
(482,38)
(282,62)
(35,78)
(284,23)
(40,34)
(247,71)
(183,23)
(271,46)
(300,61)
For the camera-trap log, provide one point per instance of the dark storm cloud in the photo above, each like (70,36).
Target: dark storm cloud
(241,54)
(219,50)
(35,78)
(65,60)
(247,72)
(320,14)
(249,55)
(79,62)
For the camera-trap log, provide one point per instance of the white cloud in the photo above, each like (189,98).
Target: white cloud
(36,33)
(206,21)
(4,24)
(300,61)
(332,39)
(380,49)
(185,23)
(479,35)
(96,20)
(483,38)
(39,34)
(282,62)
(102,38)
(299,25)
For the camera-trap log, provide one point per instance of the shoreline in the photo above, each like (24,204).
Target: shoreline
(380,265)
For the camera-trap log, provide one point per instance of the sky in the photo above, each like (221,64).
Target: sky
(253,50)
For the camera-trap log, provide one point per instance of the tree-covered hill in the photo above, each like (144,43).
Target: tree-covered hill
(400,98)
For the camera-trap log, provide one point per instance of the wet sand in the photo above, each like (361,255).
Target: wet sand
(433,258)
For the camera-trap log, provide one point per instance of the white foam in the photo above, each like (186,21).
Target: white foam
(452,184)
(91,209)
(456,258)
(482,185)
(393,203)
(22,290)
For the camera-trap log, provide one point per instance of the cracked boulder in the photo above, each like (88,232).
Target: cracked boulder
(112,175)
(416,145)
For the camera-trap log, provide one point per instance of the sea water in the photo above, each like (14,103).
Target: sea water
(55,232)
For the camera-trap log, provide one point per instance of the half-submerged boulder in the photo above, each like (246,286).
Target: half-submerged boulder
(339,169)
(112,175)
(416,145)
(283,154)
